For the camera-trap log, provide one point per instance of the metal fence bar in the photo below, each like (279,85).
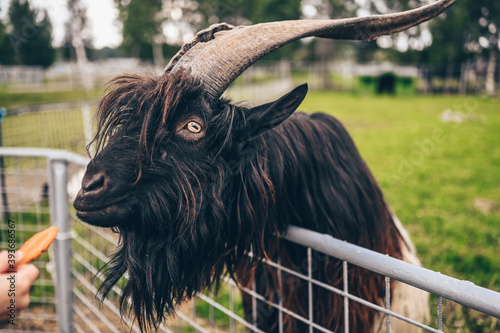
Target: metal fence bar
(388,303)
(212,312)
(231,308)
(346,299)
(440,313)
(62,244)
(310,289)
(18,186)
(193,308)
(51,154)
(463,292)
(280,297)
(254,303)
(37,316)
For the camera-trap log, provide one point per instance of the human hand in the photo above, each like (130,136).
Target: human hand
(15,284)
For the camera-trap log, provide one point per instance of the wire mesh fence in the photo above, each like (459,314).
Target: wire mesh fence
(63,298)
(59,126)
(27,212)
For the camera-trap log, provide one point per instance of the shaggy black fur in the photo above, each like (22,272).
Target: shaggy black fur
(190,206)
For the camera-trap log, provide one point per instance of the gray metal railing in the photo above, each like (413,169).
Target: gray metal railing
(80,250)
(463,292)
(459,291)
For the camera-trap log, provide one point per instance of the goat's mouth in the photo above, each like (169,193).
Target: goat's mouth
(104,215)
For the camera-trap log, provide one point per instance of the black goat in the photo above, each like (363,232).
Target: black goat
(193,182)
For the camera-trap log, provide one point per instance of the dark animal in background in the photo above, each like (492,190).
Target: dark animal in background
(193,182)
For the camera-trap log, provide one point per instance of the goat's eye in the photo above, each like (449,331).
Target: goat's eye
(193,127)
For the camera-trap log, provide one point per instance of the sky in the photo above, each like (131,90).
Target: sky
(102,15)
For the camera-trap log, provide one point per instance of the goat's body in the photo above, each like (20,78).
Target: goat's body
(321,183)
(193,184)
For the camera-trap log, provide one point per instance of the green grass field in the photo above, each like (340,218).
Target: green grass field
(441,179)
(11,100)
(432,173)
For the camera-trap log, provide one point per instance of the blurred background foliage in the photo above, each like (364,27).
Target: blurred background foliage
(156,28)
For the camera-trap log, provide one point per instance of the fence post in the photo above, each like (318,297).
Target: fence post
(3,190)
(62,246)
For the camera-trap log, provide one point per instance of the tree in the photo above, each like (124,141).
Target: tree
(414,39)
(77,30)
(181,22)
(77,39)
(245,12)
(31,36)
(141,21)
(249,12)
(150,23)
(484,38)
(469,30)
(7,54)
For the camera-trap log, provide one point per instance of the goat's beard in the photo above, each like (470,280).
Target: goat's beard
(173,249)
(170,255)
(162,272)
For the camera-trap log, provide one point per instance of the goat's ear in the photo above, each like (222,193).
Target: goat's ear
(266,116)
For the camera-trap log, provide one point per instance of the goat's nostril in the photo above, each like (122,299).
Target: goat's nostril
(95,183)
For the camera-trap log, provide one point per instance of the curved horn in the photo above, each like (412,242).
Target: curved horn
(219,54)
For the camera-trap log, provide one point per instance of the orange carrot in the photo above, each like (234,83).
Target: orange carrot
(37,244)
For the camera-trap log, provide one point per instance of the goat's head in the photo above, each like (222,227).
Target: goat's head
(170,152)
(161,141)
(164,177)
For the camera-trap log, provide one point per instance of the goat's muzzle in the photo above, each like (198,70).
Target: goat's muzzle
(101,203)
